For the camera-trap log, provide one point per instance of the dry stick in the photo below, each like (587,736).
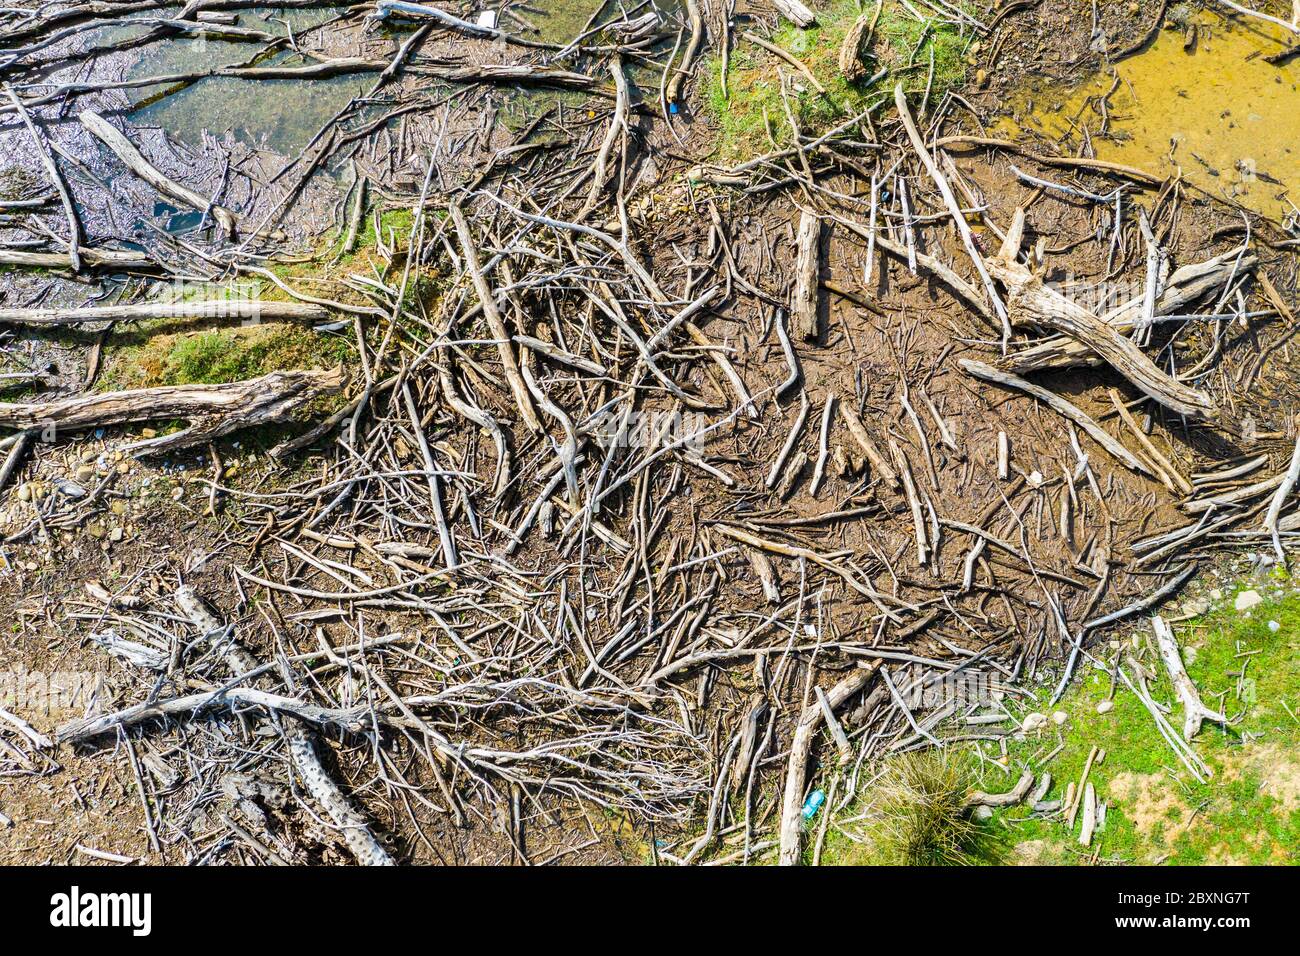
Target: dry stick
(796,774)
(788,58)
(823,444)
(674,91)
(302,748)
(1059,405)
(494,320)
(617,126)
(728,370)
(1194,711)
(445,537)
(954,208)
(207,309)
(879,463)
(69,210)
(1279,498)
(1172,478)
(807,269)
(135,161)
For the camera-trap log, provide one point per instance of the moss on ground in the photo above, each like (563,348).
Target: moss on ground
(1157,812)
(748,109)
(215,356)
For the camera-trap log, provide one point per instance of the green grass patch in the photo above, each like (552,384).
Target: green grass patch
(1248,812)
(748,109)
(214,356)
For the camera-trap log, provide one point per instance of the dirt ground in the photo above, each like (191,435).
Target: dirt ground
(883,334)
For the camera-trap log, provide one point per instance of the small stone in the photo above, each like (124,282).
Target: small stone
(84,473)
(1035,478)
(1105,707)
(115,535)
(95,529)
(25,491)
(1274,626)
(1034,722)
(177,493)
(117,506)
(1060,717)
(1247,600)
(1189,655)
(148,433)
(982,813)
(1196,607)
(1216,594)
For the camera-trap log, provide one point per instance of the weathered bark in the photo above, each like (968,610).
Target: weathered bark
(795,12)
(850,62)
(803,303)
(211,410)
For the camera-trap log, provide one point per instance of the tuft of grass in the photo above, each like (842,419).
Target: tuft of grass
(923,816)
(749,112)
(915,814)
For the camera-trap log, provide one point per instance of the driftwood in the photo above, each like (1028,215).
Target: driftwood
(1010,798)
(796,775)
(1062,407)
(1194,711)
(211,410)
(803,304)
(302,747)
(1032,301)
(795,12)
(207,309)
(134,160)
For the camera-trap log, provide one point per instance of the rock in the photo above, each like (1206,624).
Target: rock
(1247,600)
(148,433)
(1189,655)
(1196,607)
(1216,595)
(115,535)
(84,473)
(982,813)
(1105,707)
(95,529)
(1060,717)
(1274,626)
(1034,722)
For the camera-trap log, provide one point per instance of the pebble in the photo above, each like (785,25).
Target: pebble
(1060,717)
(1105,707)
(1247,600)
(1274,626)
(84,473)
(1034,722)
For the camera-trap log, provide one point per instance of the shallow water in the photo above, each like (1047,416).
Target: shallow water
(1219,113)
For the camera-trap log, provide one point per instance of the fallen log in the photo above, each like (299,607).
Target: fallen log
(1031,301)
(302,747)
(1059,405)
(796,774)
(795,12)
(93,258)
(211,410)
(255,309)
